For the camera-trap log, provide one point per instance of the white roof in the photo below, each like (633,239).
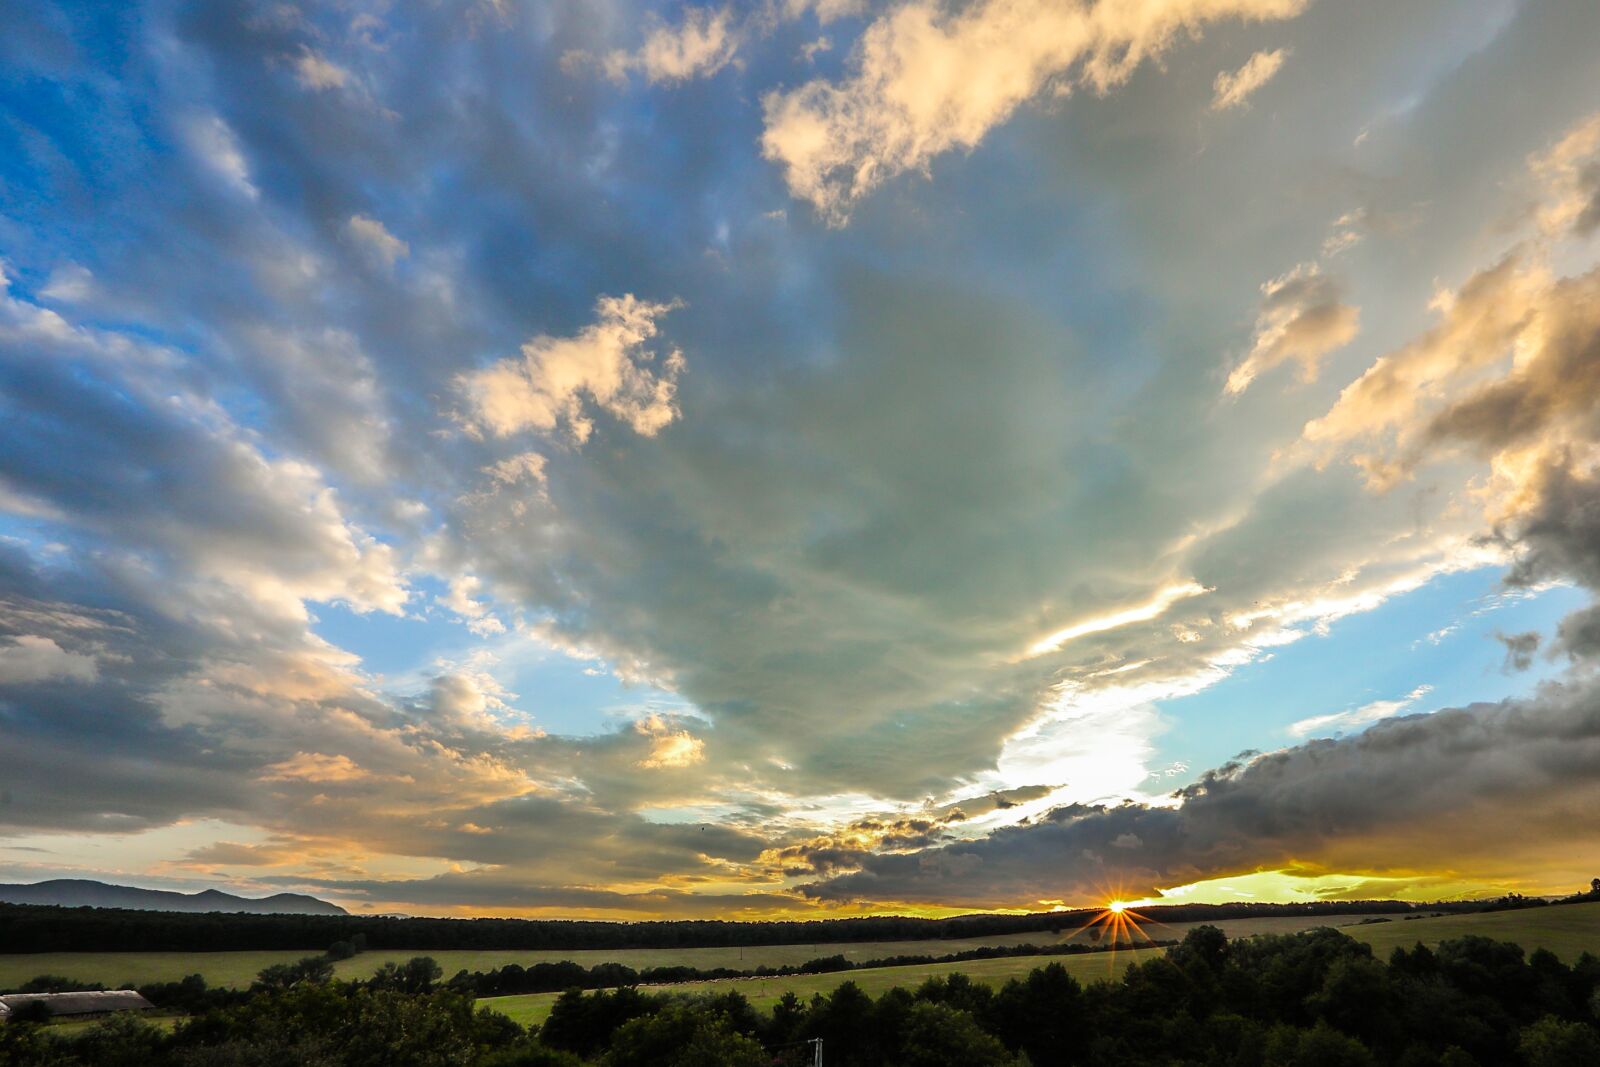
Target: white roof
(79,1003)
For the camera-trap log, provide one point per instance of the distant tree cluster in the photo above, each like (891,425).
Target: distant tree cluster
(555,977)
(1313,999)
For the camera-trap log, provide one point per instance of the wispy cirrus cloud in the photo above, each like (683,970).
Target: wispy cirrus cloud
(1234,88)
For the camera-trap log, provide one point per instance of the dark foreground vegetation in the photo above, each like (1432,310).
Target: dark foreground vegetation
(1314,999)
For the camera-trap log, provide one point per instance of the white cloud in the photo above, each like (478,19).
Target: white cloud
(826,10)
(703,44)
(930,80)
(317,72)
(1570,174)
(1152,608)
(376,240)
(68,284)
(314,767)
(1365,715)
(1303,317)
(669,747)
(214,142)
(1233,89)
(460,600)
(29,658)
(607,363)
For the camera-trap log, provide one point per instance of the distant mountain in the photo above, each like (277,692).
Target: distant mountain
(81,893)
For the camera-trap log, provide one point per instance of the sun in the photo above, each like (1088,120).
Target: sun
(1116,907)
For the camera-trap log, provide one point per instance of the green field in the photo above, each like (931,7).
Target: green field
(765,992)
(1567,930)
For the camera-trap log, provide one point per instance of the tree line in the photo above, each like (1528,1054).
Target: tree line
(44,928)
(1312,999)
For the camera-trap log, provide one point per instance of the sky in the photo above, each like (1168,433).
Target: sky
(800,458)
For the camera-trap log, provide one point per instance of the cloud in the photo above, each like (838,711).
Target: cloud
(1519,650)
(1570,174)
(316,72)
(375,238)
(69,284)
(826,10)
(214,142)
(28,658)
(461,600)
(314,767)
(1491,787)
(1365,715)
(1153,608)
(1234,89)
(1477,325)
(1303,317)
(606,363)
(927,80)
(669,748)
(902,459)
(702,44)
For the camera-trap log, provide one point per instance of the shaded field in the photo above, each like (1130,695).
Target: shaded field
(238,969)
(533,1008)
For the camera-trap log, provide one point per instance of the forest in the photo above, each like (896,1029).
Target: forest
(35,928)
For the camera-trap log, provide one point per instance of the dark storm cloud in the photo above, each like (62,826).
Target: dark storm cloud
(1519,650)
(1405,795)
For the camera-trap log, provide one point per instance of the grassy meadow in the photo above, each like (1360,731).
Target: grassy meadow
(1568,930)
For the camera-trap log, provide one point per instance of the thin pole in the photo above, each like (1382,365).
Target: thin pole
(816,1052)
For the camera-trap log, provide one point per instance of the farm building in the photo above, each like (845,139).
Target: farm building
(76,1005)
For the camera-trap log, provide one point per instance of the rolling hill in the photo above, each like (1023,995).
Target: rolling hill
(82,893)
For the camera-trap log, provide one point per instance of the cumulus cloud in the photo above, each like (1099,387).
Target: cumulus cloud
(315,71)
(702,44)
(1477,326)
(927,80)
(825,10)
(314,767)
(669,747)
(1570,174)
(1234,88)
(29,658)
(376,240)
(1303,317)
(606,364)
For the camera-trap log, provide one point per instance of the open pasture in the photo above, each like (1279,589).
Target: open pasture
(1568,930)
